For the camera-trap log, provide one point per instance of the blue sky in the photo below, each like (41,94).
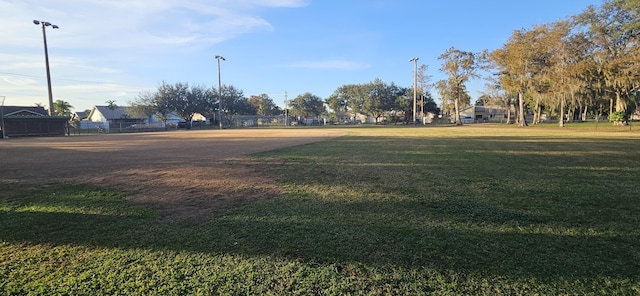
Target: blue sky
(115,49)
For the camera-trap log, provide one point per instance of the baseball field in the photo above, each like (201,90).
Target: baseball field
(323,211)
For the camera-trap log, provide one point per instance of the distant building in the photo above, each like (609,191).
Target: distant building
(480,114)
(24,121)
(122,117)
(635,115)
(80,115)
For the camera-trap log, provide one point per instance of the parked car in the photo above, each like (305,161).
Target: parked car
(466,119)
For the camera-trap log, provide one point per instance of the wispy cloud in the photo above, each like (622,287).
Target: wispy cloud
(278,3)
(96,38)
(117,24)
(136,24)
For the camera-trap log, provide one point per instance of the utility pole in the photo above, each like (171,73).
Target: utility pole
(286,110)
(415,86)
(46,60)
(219,92)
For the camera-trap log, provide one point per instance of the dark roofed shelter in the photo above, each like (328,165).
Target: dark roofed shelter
(20,121)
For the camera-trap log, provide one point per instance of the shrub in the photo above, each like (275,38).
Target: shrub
(618,117)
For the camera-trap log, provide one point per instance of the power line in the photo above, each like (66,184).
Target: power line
(57,79)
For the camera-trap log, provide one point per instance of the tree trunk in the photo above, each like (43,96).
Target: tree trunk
(521,118)
(584,113)
(539,113)
(538,109)
(621,104)
(579,110)
(457,107)
(610,106)
(561,122)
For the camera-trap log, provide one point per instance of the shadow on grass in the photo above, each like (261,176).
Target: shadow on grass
(475,209)
(466,238)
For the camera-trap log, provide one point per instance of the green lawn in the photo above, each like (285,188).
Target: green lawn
(442,211)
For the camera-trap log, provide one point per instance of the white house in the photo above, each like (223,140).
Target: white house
(124,117)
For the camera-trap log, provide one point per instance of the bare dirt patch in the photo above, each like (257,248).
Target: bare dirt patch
(188,174)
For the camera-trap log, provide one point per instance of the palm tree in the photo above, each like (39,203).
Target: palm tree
(62,108)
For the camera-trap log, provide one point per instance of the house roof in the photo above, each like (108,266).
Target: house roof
(482,108)
(490,108)
(467,108)
(24,111)
(117,113)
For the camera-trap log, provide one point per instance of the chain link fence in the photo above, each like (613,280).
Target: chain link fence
(229,121)
(240,121)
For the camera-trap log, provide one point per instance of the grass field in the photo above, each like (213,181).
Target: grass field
(442,211)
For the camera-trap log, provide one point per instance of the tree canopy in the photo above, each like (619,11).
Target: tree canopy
(62,108)
(264,105)
(460,67)
(185,101)
(306,105)
(568,66)
(374,99)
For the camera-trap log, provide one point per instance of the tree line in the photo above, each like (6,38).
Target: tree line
(373,99)
(377,99)
(586,64)
(188,100)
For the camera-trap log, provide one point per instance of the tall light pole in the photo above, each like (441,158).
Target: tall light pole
(415,86)
(286,110)
(219,92)
(46,60)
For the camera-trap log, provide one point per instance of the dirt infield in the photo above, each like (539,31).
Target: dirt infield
(187,173)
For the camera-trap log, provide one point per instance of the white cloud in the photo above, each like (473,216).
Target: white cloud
(134,24)
(100,43)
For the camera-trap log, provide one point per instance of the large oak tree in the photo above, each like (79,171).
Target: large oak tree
(460,67)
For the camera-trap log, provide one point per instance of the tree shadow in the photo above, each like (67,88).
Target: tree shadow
(469,238)
(471,220)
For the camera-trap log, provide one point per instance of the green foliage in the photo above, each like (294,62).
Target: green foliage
(264,105)
(62,108)
(459,66)
(429,104)
(373,99)
(307,105)
(234,101)
(618,116)
(398,211)
(186,101)
(183,99)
